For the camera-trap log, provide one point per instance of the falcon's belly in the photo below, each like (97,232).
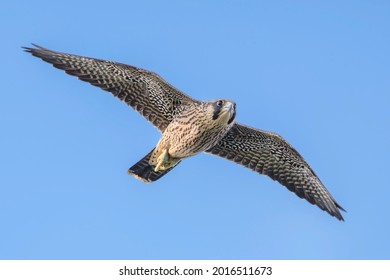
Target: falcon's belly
(193,132)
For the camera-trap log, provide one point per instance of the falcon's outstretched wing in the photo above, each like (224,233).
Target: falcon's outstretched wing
(269,154)
(144,91)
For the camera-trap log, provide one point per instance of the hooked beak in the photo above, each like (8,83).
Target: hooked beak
(230,109)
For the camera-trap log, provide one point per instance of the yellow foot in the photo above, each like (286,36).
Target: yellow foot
(161,160)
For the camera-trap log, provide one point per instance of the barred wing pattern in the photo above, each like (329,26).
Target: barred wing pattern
(145,91)
(269,154)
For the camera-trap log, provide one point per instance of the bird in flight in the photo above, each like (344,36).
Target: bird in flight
(191,126)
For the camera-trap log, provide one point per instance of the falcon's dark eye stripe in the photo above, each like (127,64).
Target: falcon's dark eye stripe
(217,110)
(232,118)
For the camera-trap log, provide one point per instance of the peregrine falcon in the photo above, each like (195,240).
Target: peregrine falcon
(190,126)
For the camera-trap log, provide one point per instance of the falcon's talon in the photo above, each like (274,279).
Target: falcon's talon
(190,126)
(161,160)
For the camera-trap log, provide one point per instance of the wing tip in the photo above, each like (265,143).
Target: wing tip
(35,48)
(338,214)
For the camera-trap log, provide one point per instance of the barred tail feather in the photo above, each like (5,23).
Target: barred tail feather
(143,171)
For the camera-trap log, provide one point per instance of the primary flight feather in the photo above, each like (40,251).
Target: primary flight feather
(191,126)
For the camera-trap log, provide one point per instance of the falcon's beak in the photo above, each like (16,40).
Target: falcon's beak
(230,109)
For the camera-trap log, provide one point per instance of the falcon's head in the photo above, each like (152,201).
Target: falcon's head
(224,111)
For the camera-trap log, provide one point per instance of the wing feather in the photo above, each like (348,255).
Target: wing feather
(144,91)
(269,154)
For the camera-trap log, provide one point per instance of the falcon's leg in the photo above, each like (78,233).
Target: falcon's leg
(161,160)
(165,161)
(144,171)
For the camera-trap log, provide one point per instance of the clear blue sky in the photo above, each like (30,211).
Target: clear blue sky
(316,72)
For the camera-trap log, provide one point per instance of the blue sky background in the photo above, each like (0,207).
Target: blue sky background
(316,72)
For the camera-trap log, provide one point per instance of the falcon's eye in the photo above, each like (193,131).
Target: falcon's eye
(219,103)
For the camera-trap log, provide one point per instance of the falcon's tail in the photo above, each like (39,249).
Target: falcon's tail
(145,172)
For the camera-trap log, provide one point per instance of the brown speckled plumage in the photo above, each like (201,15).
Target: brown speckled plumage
(189,126)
